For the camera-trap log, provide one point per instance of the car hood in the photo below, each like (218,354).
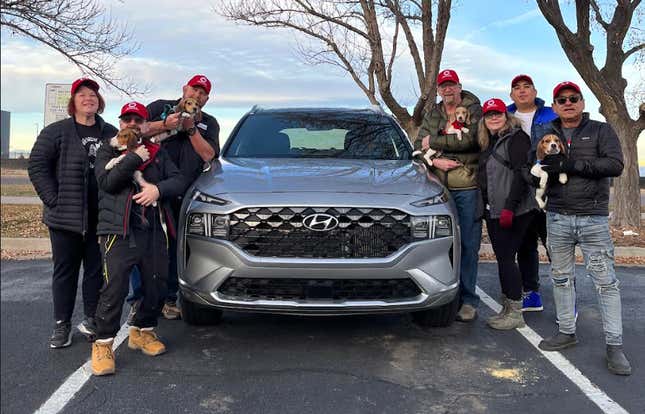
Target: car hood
(251,175)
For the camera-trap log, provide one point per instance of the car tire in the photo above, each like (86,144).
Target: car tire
(440,317)
(195,314)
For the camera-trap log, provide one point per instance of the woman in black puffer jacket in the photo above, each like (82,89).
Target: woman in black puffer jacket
(509,203)
(61,168)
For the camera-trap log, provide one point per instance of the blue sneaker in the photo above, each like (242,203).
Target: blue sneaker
(532,302)
(575,318)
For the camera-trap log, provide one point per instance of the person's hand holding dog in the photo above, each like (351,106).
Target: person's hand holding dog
(172,121)
(149,194)
(142,152)
(506,219)
(557,163)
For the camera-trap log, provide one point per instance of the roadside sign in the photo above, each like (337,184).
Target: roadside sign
(56,98)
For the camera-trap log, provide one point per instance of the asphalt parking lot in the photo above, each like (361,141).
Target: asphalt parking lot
(279,364)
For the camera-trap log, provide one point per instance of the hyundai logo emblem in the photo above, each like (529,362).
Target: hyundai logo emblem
(320,222)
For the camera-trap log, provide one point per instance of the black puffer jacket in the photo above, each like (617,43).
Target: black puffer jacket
(116,188)
(597,154)
(58,169)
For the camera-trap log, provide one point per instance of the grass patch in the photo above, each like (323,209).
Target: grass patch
(23,221)
(17,190)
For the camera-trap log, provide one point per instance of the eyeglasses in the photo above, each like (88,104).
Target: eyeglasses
(129,118)
(493,114)
(563,99)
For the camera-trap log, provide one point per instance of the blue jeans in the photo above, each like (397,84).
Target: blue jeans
(471,236)
(591,233)
(136,290)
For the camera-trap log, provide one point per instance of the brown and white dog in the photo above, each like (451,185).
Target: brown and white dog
(127,139)
(549,144)
(188,108)
(462,118)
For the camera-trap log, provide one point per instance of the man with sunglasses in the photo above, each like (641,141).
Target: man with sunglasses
(457,168)
(577,214)
(134,226)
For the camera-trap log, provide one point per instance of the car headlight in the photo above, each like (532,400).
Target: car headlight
(430,227)
(440,198)
(219,226)
(210,225)
(205,198)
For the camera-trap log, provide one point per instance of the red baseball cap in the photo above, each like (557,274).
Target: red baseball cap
(565,85)
(201,81)
(134,108)
(521,77)
(494,105)
(447,75)
(84,82)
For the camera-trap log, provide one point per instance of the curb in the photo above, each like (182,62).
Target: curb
(44,245)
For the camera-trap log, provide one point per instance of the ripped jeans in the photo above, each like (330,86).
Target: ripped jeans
(591,233)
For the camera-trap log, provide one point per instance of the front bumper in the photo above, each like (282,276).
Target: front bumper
(208,263)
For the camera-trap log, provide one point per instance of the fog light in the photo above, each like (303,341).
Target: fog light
(197,224)
(219,226)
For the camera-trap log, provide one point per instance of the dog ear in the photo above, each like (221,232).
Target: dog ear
(563,148)
(467,120)
(198,114)
(540,153)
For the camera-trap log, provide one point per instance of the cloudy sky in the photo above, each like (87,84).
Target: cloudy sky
(247,65)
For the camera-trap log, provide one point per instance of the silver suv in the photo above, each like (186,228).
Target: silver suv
(323,212)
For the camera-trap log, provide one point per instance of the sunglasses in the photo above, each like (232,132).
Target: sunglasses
(563,99)
(493,114)
(129,118)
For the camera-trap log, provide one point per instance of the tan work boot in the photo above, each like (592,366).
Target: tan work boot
(512,319)
(102,357)
(171,311)
(505,307)
(146,340)
(467,313)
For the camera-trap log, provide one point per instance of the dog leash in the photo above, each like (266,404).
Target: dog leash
(167,110)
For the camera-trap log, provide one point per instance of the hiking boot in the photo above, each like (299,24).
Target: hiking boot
(467,313)
(87,327)
(146,340)
(558,342)
(62,335)
(134,308)
(532,302)
(617,362)
(171,311)
(504,301)
(102,357)
(512,319)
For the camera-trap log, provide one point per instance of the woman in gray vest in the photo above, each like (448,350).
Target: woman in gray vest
(509,203)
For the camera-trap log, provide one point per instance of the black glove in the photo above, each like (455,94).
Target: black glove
(557,163)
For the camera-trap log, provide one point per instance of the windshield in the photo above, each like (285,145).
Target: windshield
(319,135)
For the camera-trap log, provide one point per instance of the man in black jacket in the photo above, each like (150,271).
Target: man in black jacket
(189,149)
(134,226)
(577,214)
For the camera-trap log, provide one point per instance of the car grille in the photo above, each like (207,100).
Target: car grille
(322,289)
(279,232)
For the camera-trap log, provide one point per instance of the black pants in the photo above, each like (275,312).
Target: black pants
(528,256)
(173,279)
(149,251)
(505,244)
(69,250)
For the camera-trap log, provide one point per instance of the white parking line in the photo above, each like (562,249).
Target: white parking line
(591,390)
(75,382)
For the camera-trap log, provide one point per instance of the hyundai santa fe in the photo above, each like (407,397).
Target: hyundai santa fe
(318,211)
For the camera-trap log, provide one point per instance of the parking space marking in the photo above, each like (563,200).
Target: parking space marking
(591,390)
(75,382)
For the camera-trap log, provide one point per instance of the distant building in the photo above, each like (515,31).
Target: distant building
(5,128)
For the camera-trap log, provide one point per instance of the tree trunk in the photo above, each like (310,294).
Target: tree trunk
(627,199)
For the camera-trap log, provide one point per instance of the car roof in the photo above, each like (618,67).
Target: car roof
(374,110)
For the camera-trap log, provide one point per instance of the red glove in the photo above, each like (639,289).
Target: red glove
(506,219)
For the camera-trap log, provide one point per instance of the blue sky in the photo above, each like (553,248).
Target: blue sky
(487,46)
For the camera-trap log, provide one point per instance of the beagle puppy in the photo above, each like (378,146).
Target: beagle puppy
(549,144)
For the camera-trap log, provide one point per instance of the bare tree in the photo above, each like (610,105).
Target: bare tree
(362,37)
(79,29)
(607,82)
